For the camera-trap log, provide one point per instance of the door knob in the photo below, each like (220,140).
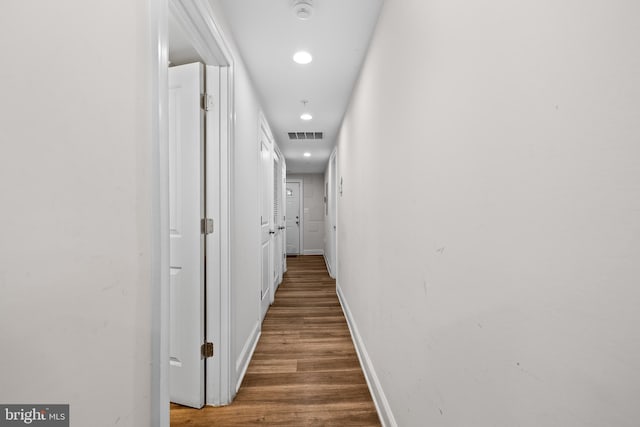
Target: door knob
(272,232)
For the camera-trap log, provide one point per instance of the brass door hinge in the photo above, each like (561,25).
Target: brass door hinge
(206,350)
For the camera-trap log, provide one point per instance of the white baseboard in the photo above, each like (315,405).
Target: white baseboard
(242,363)
(379,399)
(326,262)
(313,252)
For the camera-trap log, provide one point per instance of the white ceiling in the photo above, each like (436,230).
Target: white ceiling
(268,33)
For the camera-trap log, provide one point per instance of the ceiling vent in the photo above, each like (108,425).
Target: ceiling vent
(305,135)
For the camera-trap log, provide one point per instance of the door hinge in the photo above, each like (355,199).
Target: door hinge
(206,225)
(206,350)
(207,102)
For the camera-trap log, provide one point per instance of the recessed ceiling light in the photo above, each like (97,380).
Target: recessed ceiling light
(306,116)
(302,57)
(307,154)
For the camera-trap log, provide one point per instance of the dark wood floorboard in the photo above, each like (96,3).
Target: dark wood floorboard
(305,370)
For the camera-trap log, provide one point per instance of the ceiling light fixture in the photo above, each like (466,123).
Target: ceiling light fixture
(302,57)
(307,154)
(306,116)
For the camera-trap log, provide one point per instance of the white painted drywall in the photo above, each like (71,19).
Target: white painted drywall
(75,186)
(245,217)
(494,149)
(313,212)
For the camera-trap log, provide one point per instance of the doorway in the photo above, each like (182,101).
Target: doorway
(294,220)
(193,38)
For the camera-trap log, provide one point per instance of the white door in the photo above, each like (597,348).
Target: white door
(293,217)
(278,221)
(266,222)
(283,198)
(186,201)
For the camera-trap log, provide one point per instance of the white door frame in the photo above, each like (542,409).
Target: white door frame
(159,292)
(301,210)
(197,19)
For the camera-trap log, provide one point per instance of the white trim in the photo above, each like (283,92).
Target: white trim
(326,263)
(159,293)
(301,227)
(214,242)
(226,194)
(242,363)
(264,125)
(379,398)
(196,19)
(313,252)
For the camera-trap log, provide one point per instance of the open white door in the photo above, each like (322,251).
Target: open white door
(186,201)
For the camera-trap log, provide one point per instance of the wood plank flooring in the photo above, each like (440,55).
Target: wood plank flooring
(305,370)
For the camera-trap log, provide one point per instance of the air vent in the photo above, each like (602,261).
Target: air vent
(305,135)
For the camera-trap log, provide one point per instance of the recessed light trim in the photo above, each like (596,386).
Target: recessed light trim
(307,154)
(302,57)
(306,116)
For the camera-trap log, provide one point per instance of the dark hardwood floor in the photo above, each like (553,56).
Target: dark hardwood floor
(304,371)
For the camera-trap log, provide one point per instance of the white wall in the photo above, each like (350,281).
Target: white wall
(494,148)
(245,234)
(313,208)
(75,180)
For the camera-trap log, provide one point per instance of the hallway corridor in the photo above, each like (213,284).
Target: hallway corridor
(305,370)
